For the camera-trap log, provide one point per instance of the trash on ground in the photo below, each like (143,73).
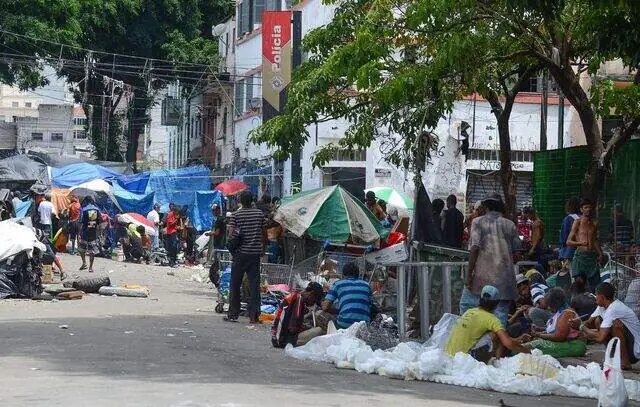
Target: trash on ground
(125,291)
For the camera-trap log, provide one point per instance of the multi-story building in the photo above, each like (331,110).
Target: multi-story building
(16,103)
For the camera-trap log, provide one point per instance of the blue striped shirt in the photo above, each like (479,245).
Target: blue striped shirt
(353,297)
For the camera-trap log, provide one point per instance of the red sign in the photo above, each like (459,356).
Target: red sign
(276,61)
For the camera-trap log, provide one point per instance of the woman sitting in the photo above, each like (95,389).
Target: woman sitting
(560,338)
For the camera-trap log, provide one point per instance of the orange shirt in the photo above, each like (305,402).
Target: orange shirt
(74,211)
(171,221)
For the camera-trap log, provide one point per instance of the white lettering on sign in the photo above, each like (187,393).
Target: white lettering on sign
(276,47)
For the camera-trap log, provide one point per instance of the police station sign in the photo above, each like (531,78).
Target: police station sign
(277,61)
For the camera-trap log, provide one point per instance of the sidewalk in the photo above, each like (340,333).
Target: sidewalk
(595,353)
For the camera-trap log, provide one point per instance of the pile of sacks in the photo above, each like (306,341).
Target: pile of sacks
(20,261)
(415,361)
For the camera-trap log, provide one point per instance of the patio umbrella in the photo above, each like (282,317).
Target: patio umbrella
(231,187)
(137,220)
(331,214)
(393,197)
(97,189)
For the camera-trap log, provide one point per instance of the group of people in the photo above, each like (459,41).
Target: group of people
(502,312)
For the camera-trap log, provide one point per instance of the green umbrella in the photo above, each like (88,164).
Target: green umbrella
(331,214)
(393,197)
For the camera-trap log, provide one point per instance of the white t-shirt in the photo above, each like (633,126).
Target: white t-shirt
(45,209)
(154,217)
(618,310)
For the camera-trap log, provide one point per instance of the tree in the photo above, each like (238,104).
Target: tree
(150,31)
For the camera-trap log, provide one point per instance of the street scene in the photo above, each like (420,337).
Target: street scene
(320,202)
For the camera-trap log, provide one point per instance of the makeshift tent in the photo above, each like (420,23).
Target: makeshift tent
(331,214)
(16,238)
(21,208)
(179,185)
(102,193)
(136,183)
(61,199)
(200,212)
(21,168)
(75,174)
(138,220)
(132,202)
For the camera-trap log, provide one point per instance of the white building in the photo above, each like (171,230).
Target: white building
(16,103)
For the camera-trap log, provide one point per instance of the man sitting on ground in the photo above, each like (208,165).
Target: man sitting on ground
(350,298)
(134,244)
(614,318)
(480,333)
(288,325)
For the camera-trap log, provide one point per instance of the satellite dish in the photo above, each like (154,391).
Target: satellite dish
(218,30)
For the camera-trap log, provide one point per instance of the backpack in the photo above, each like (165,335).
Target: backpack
(280,333)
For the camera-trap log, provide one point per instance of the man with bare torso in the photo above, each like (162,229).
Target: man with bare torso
(584,237)
(537,235)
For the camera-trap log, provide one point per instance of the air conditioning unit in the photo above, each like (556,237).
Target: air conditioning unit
(254,103)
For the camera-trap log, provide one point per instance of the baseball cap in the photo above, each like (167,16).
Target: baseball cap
(371,195)
(521,278)
(530,273)
(490,292)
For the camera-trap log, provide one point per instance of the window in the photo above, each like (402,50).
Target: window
(79,134)
(258,8)
(533,85)
(3,118)
(239,99)
(249,85)
(36,136)
(27,104)
(226,44)
(15,104)
(350,155)
(218,159)
(233,42)
(57,136)
(79,121)
(224,123)
(273,5)
(239,16)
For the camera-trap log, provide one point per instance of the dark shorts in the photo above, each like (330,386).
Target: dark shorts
(630,343)
(73,229)
(92,247)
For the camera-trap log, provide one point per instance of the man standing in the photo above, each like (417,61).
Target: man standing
(537,235)
(493,240)
(611,319)
(89,244)
(154,217)
(372,204)
(246,225)
(584,237)
(45,210)
(74,221)
(171,234)
(452,224)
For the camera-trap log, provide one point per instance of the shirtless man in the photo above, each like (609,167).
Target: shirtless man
(537,235)
(584,237)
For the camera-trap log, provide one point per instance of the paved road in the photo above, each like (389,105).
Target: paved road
(173,350)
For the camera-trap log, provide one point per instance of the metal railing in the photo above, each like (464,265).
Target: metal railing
(425,271)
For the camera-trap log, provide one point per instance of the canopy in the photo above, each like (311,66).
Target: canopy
(200,213)
(131,202)
(136,183)
(393,197)
(138,220)
(231,187)
(179,185)
(75,174)
(23,168)
(97,189)
(331,214)
(61,199)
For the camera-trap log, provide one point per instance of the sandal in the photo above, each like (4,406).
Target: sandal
(83,267)
(230,319)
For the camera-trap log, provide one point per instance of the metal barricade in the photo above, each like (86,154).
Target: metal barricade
(424,270)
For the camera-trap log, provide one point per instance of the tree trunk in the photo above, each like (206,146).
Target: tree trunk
(506,171)
(569,83)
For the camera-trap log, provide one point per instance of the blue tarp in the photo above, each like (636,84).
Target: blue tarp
(179,185)
(22,209)
(200,211)
(76,174)
(130,202)
(136,183)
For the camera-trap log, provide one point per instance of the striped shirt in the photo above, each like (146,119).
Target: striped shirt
(250,223)
(353,297)
(538,291)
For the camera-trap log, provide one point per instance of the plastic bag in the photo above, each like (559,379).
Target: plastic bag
(442,330)
(613,392)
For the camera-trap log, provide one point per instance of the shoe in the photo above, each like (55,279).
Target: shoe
(230,319)
(83,267)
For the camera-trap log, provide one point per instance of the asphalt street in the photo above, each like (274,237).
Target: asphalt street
(172,349)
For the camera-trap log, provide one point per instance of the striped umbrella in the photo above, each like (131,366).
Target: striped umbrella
(393,197)
(138,220)
(331,214)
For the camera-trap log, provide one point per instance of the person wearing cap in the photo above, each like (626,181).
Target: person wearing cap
(492,241)
(154,217)
(288,325)
(518,320)
(372,204)
(480,333)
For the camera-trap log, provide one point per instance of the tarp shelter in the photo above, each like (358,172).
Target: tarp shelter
(200,211)
(179,185)
(132,202)
(136,183)
(23,170)
(61,199)
(101,191)
(21,208)
(75,174)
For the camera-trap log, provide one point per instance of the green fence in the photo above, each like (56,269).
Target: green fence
(558,175)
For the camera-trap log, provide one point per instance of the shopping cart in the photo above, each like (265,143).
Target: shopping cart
(276,274)
(220,275)
(339,256)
